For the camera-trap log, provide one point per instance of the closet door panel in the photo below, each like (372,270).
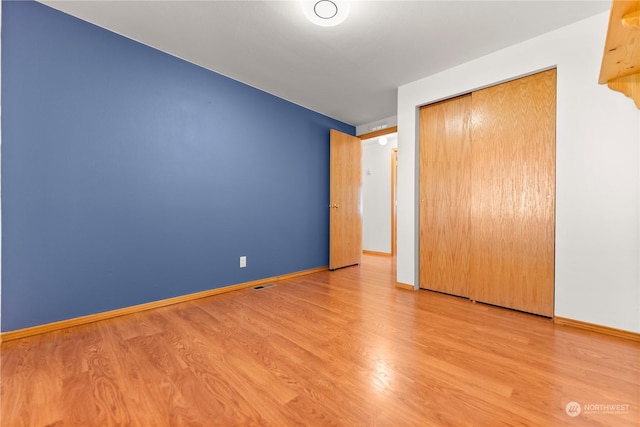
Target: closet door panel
(445,195)
(513,194)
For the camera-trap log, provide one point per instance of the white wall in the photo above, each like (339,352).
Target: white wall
(598,157)
(376,194)
(377,125)
(0,170)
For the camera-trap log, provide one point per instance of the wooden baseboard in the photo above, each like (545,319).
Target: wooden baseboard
(633,336)
(77,321)
(377,253)
(405,286)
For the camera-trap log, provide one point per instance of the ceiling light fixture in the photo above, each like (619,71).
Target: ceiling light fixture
(383,140)
(326,13)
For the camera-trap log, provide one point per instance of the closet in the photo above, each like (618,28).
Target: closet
(487,194)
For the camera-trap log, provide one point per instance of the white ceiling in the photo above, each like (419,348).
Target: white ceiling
(350,72)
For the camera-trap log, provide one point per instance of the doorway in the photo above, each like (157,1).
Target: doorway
(379,192)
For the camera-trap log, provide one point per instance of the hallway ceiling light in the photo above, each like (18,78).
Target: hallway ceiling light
(383,140)
(326,13)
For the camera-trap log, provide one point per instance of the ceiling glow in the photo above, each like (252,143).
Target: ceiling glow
(326,13)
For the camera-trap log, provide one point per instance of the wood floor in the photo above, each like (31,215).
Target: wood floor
(342,348)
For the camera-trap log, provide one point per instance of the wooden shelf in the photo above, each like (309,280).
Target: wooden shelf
(621,61)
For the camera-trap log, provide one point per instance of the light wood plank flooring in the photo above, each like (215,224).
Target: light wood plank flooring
(343,348)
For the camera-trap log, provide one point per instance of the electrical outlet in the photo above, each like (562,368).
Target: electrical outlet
(243,261)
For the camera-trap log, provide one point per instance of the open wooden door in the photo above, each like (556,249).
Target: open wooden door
(345,202)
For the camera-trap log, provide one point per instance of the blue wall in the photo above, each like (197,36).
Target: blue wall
(130,176)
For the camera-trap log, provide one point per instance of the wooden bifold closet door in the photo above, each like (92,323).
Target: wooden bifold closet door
(497,182)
